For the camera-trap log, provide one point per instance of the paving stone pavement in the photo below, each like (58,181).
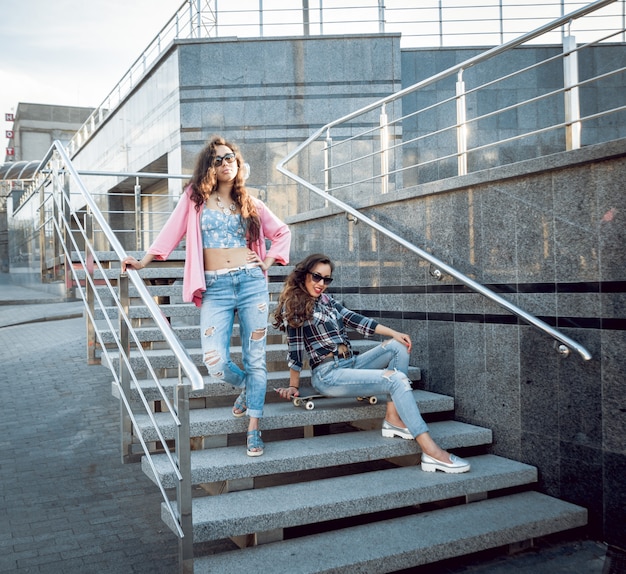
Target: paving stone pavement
(67,503)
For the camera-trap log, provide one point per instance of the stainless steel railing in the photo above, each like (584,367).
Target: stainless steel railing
(74,239)
(437,23)
(370,151)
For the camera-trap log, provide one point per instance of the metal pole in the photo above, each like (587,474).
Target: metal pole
(138,226)
(199,19)
(461,129)
(67,232)
(572,102)
(440,24)
(305,18)
(183,490)
(384,150)
(124,373)
(89,294)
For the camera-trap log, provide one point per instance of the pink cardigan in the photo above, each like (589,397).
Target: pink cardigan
(185,220)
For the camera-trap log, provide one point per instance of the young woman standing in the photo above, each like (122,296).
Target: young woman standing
(226,261)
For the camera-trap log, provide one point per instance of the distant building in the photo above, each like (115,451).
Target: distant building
(36,126)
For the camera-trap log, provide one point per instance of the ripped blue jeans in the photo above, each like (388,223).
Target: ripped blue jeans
(364,376)
(244,291)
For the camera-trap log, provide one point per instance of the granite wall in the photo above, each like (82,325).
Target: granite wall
(550,236)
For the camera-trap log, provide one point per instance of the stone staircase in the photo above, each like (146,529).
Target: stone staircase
(329,494)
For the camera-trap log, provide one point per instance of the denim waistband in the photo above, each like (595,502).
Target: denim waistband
(347,354)
(231,269)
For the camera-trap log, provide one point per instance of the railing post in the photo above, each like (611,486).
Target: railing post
(306,22)
(461,125)
(261,18)
(183,490)
(328,162)
(138,226)
(42,232)
(55,241)
(66,232)
(124,373)
(572,103)
(198,18)
(384,150)
(89,293)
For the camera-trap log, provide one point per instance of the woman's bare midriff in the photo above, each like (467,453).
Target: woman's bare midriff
(225,258)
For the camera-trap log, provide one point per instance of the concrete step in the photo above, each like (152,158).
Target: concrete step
(296,455)
(212,387)
(111,256)
(219,421)
(175,310)
(164,359)
(187,310)
(156,271)
(288,505)
(216,388)
(183,332)
(408,541)
(174,291)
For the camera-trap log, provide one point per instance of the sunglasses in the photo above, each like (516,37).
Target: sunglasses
(228,158)
(317,278)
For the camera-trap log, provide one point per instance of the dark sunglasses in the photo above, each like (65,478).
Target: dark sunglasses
(228,158)
(317,278)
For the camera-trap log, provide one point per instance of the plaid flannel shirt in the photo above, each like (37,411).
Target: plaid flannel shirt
(324,332)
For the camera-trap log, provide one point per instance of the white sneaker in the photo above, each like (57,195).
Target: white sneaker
(457,466)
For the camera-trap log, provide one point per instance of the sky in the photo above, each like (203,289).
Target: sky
(71,52)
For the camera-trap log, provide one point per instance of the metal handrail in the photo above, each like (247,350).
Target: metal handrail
(567,342)
(179,350)
(452,71)
(123,397)
(56,164)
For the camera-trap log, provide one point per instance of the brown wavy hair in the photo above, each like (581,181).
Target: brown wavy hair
(295,305)
(204,182)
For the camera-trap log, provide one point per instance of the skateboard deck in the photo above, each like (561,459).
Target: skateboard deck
(308,401)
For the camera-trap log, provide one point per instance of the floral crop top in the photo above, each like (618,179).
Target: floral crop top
(220,230)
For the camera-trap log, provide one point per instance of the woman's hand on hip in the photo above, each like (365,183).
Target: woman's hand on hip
(264,265)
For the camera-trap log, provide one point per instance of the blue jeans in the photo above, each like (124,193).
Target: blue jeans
(244,291)
(363,376)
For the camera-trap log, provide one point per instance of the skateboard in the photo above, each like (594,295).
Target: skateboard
(308,401)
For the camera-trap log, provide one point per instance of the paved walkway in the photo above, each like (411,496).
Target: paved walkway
(67,503)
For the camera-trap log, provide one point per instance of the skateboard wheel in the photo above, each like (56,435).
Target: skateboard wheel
(297,401)
(373,400)
(310,405)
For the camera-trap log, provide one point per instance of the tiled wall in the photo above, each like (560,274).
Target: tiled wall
(548,235)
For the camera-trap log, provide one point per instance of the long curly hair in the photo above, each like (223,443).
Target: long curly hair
(204,182)
(295,305)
